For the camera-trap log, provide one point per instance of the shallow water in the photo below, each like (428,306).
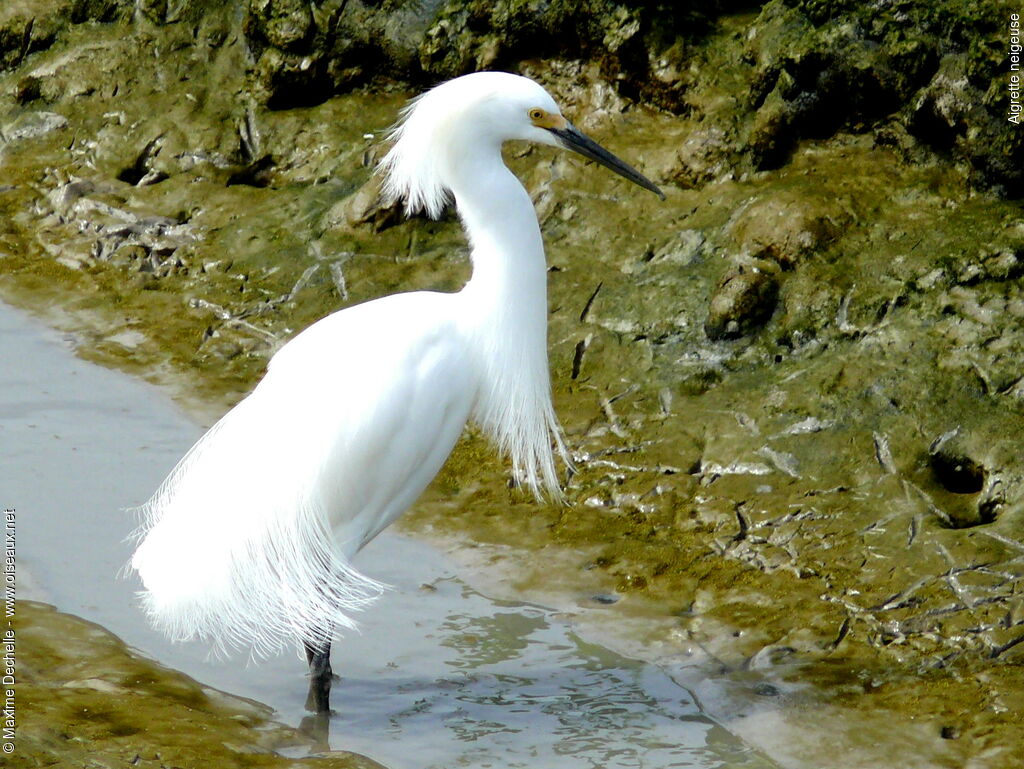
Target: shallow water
(440,676)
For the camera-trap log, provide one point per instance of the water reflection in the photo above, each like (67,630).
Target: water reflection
(511,685)
(441,676)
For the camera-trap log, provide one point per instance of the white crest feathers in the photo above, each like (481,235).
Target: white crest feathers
(410,168)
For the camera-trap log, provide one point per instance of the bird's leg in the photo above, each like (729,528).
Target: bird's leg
(318,655)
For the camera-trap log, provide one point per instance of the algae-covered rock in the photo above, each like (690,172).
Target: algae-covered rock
(85,699)
(743,300)
(788,226)
(801,70)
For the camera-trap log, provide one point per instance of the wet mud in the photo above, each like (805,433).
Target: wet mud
(86,699)
(793,391)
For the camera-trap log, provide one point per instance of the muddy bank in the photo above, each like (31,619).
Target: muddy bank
(435,660)
(793,390)
(85,699)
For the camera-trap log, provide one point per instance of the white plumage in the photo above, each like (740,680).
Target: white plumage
(248,543)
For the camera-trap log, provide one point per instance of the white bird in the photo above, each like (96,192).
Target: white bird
(248,542)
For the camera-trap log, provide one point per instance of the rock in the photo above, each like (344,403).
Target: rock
(28,89)
(32,125)
(816,72)
(684,248)
(129,255)
(771,135)
(703,157)
(743,301)
(952,116)
(367,208)
(26,28)
(283,80)
(788,227)
(806,74)
(285,24)
(104,11)
(1006,263)
(154,10)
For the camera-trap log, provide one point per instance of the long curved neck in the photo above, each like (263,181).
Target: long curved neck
(509,270)
(505,305)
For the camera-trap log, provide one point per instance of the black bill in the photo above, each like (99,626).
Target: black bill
(573,139)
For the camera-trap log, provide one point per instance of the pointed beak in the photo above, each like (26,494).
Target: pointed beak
(573,139)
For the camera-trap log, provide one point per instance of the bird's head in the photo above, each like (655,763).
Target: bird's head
(480,111)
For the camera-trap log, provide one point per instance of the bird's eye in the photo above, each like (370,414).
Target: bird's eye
(536,113)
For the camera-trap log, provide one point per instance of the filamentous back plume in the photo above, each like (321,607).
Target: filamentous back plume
(248,543)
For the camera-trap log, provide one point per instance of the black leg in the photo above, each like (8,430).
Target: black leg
(318,655)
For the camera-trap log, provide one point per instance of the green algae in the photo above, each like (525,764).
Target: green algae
(775,491)
(83,698)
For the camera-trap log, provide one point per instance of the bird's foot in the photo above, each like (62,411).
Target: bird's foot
(318,699)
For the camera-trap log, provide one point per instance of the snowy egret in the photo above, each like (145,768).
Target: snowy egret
(248,542)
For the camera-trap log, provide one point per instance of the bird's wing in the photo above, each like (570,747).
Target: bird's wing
(383,408)
(353,419)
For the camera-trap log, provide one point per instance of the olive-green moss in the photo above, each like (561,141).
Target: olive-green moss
(82,698)
(776,488)
(802,70)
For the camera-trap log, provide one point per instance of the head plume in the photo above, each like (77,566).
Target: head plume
(410,168)
(437,129)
